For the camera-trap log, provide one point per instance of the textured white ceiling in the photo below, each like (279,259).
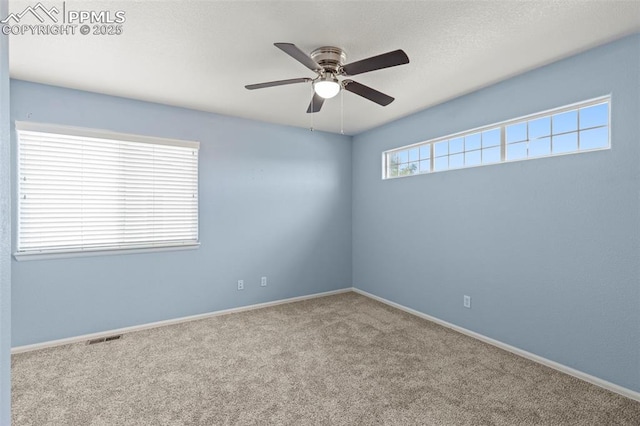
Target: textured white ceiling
(199,54)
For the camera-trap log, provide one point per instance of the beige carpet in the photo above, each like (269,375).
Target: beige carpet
(338,360)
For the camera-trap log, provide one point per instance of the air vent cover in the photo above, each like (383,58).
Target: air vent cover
(104,339)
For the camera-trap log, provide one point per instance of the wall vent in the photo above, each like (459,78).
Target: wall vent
(104,339)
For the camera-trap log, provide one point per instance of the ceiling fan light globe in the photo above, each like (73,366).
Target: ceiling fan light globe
(326,88)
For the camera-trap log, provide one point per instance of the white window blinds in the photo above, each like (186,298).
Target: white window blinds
(85,190)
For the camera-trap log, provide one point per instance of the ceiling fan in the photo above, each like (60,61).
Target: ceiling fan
(328,63)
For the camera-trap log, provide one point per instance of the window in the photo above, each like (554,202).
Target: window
(83,190)
(571,129)
(575,130)
(469,150)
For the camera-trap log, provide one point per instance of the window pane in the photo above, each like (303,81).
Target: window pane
(425,166)
(540,147)
(441,163)
(456,145)
(472,142)
(517,132)
(565,143)
(413,154)
(491,138)
(593,116)
(392,158)
(403,156)
(517,151)
(408,169)
(491,155)
(540,128)
(393,169)
(565,122)
(594,138)
(425,151)
(472,158)
(441,148)
(456,161)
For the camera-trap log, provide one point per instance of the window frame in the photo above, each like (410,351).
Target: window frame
(105,135)
(502,125)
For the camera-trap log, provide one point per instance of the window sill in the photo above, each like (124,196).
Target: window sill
(69,254)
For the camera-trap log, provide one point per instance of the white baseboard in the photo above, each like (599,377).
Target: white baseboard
(85,337)
(533,357)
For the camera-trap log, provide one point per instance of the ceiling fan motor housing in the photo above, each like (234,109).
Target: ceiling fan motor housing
(329,58)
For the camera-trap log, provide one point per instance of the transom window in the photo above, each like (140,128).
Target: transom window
(579,129)
(82,190)
(470,150)
(575,128)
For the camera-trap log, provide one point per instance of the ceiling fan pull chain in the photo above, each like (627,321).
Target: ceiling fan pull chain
(312,106)
(342,112)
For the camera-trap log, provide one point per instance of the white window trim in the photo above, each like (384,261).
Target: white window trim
(20,257)
(99,134)
(502,125)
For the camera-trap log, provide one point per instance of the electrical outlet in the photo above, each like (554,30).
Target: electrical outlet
(240,284)
(263,282)
(467,301)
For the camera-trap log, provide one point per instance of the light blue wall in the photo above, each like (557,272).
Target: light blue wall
(5,231)
(275,201)
(548,249)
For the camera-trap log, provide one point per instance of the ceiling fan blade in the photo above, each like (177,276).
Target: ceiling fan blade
(316,103)
(277,83)
(367,92)
(297,54)
(386,60)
